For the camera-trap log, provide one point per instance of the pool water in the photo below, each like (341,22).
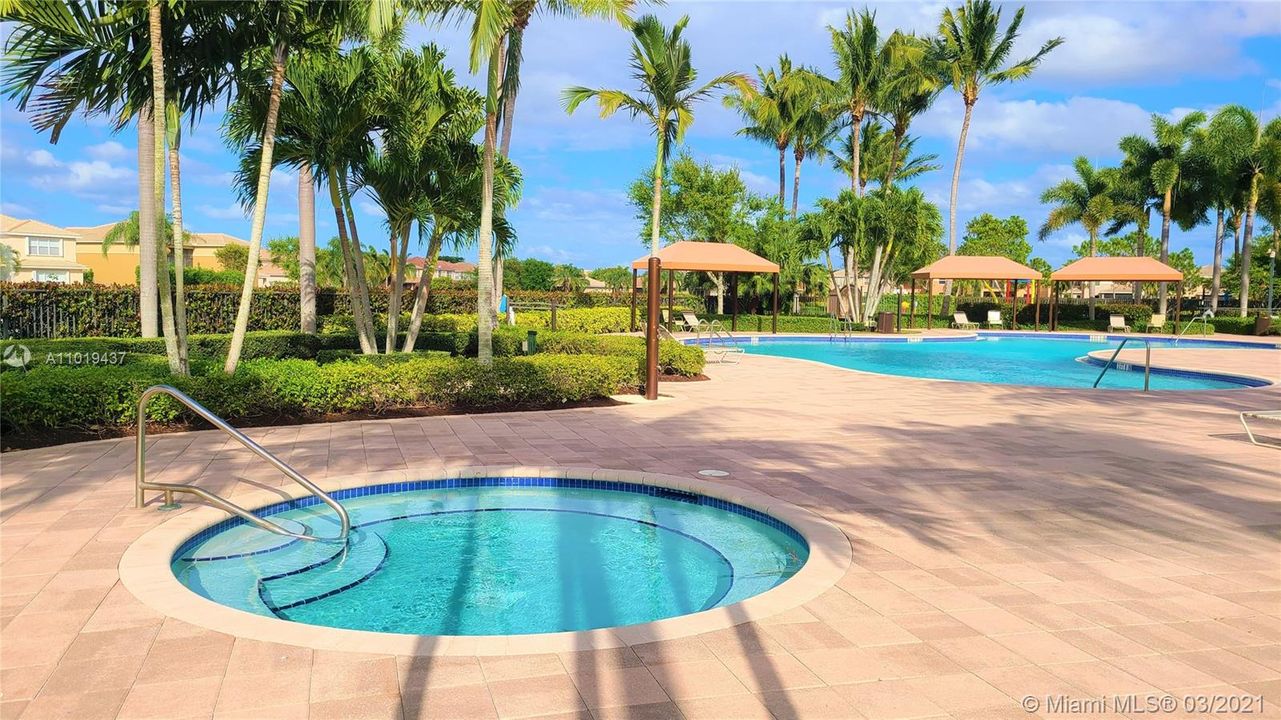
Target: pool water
(498,560)
(1006,360)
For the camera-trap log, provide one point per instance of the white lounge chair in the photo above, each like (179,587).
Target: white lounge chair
(1259,415)
(1117,322)
(689,321)
(961,322)
(994,319)
(1156,323)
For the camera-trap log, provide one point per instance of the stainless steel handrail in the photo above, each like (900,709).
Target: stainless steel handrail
(1205,325)
(169,489)
(1147,363)
(1107,365)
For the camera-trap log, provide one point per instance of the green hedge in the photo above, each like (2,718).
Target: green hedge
(593,321)
(674,358)
(786,323)
(95,398)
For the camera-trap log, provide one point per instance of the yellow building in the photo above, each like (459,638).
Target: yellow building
(120,263)
(44,253)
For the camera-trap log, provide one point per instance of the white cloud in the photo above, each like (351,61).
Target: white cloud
(1077,126)
(115,209)
(232,211)
(109,150)
(94,177)
(16,209)
(43,159)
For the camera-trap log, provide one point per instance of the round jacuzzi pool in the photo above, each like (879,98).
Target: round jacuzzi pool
(495,556)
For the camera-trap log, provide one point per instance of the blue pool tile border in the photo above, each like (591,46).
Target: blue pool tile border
(458,483)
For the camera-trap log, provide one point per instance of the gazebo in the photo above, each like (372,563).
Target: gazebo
(707,257)
(973,267)
(1115,269)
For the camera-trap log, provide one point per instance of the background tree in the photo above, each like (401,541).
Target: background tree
(987,234)
(661,66)
(972,50)
(1165,159)
(771,109)
(1084,201)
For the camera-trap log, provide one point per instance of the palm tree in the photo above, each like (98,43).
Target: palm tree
(1254,150)
(863,60)
(1215,184)
(661,66)
(771,111)
(878,149)
(817,122)
(1085,200)
(972,49)
(1164,160)
(903,224)
(910,89)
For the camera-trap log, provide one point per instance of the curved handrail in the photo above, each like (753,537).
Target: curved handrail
(141,483)
(1107,365)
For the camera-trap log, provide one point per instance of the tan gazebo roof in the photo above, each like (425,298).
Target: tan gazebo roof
(976,267)
(708,257)
(1118,269)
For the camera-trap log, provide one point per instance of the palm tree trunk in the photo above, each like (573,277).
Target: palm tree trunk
(423,291)
(951,204)
(856,152)
(873,286)
(1140,251)
(1216,280)
(260,209)
(796,178)
(1162,289)
(307,248)
(1244,260)
(399,254)
(180,264)
(831,274)
(1089,286)
(656,205)
(894,149)
(176,365)
(782,174)
(484,263)
(364,334)
(359,281)
(148,296)
(718,280)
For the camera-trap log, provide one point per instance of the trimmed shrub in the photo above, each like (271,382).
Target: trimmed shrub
(593,321)
(673,358)
(88,398)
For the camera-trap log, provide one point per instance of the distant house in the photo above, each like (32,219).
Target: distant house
(120,263)
(44,253)
(444,268)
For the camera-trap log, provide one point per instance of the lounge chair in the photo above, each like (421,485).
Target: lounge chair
(1264,415)
(994,319)
(961,322)
(1117,322)
(1156,323)
(689,321)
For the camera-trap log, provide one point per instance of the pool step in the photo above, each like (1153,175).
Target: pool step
(237,586)
(363,557)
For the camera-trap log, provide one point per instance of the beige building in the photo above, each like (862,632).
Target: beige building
(119,264)
(44,253)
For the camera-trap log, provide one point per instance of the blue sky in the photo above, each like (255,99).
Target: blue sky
(1122,61)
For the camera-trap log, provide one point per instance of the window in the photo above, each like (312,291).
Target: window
(44,247)
(58,276)
(188,257)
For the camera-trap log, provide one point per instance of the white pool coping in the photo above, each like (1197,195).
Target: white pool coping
(146,572)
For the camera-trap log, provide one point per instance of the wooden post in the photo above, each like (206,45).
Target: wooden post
(929,303)
(651,328)
(911,316)
(733,291)
(1014,305)
(1036,298)
(1054,306)
(635,277)
(1178,305)
(671,319)
(774,325)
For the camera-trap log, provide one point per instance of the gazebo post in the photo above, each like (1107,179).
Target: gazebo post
(911,315)
(1014,305)
(733,291)
(635,277)
(1054,307)
(1036,298)
(670,296)
(655,274)
(1178,303)
(774,325)
(929,304)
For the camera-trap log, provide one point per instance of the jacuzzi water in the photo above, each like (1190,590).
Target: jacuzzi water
(1001,359)
(496,559)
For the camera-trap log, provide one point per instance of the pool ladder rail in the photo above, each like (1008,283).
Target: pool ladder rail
(1204,318)
(719,342)
(1147,363)
(141,484)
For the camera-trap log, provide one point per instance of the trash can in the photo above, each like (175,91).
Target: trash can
(1261,323)
(531,342)
(885,322)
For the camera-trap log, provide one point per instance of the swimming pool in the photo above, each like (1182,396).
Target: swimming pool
(496,556)
(1007,359)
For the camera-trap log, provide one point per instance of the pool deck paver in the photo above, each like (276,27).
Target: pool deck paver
(1007,542)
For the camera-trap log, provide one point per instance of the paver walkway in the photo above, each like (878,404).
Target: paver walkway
(1008,542)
